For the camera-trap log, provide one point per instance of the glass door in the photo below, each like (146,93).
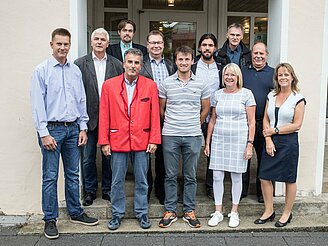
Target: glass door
(178,28)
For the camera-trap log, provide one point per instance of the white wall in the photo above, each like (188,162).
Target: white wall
(26,27)
(297,35)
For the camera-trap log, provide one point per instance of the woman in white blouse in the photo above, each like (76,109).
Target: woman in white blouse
(283,118)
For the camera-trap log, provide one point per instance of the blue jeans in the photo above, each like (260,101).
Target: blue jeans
(119,164)
(67,139)
(173,147)
(89,166)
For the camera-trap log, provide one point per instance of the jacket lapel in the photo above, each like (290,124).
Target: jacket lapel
(91,67)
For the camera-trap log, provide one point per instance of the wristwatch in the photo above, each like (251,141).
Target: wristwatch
(250,141)
(276,130)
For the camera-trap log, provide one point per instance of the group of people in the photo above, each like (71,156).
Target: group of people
(133,102)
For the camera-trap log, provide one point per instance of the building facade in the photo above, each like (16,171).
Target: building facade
(296,31)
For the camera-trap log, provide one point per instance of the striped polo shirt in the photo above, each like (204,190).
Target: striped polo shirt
(183,105)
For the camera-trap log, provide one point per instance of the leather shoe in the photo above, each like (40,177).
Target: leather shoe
(263,221)
(260,199)
(88,199)
(209,193)
(106,196)
(281,224)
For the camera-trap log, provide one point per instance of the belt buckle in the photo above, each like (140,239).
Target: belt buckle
(66,123)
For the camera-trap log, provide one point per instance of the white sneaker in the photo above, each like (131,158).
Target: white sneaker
(217,217)
(234,219)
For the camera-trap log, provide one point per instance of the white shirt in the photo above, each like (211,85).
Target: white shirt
(100,66)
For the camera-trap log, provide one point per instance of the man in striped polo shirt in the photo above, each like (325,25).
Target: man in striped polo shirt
(184,105)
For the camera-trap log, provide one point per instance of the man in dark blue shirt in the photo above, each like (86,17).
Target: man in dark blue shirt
(258,77)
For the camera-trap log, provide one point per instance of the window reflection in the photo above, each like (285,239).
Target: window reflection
(258,6)
(175,35)
(110,23)
(261,29)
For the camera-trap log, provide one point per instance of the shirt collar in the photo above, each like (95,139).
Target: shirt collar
(94,57)
(124,46)
(134,82)
(207,65)
(151,59)
(265,68)
(175,76)
(238,50)
(54,62)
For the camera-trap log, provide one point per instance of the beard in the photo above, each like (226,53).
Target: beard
(207,57)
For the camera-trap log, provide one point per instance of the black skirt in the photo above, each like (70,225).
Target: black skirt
(282,167)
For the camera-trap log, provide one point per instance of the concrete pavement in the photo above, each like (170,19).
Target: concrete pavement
(11,237)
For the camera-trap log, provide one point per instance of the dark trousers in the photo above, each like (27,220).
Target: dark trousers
(159,174)
(209,172)
(258,146)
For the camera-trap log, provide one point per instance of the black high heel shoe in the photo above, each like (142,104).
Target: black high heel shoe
(263,221)
(280,224)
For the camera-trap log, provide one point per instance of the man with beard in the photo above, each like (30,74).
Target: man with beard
(207,69)
(258,77)
(126,30)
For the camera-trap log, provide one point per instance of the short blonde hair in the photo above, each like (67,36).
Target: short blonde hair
(234,67)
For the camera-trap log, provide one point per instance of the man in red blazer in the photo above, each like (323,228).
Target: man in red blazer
(129,127)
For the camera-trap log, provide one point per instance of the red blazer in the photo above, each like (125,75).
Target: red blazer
(124,133)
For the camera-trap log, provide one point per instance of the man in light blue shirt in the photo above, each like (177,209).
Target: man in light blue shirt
(60,118)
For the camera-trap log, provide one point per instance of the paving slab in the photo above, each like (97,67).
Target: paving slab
(233,241)
(133,240)
(306,241)
(8,231)
(72,240)
(28,240)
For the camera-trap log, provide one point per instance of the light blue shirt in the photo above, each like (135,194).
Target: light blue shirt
(159,70)
(125,47)
(130,90)
(57,94)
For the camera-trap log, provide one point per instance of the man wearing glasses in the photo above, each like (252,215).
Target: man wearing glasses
(157,68)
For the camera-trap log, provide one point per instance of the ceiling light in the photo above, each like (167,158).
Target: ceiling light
(170,3)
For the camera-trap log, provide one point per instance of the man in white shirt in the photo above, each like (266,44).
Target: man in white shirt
(96,67)
(207,69)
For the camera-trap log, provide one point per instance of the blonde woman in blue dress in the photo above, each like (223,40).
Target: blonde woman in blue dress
(283,118)
(231,130)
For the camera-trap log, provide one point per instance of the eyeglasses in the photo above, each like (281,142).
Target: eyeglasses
(154,43)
